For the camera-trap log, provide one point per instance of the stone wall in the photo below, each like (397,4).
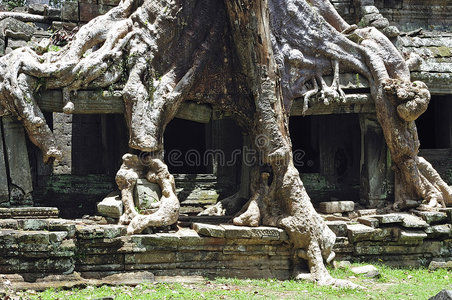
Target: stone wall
(35,248)
(412,14)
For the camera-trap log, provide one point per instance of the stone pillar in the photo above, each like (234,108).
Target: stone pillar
(4,191)
(375,162)
(20,184)
(62,129)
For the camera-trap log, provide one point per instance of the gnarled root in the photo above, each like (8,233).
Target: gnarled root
(126,179)
(412,97)
(168,210)
(225,207)
(436,192)
(250,214)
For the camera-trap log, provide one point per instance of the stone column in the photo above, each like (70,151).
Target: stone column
(20,184)
(4,191)
(62,129)
(375,162)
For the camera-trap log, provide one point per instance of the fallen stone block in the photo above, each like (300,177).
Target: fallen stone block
(336,207)
(16,29)
(344,264)
(209,230)
(431,216)
(111,206)
(338,227)
(147,194)
(434,265)
(360,232)
(439,231)
(406,220)
(369,221)
(411,237)
(443,295)
(448,211)
(369,9)
(368,271)
(410,221)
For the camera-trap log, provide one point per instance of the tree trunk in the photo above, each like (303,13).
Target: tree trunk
(250,58)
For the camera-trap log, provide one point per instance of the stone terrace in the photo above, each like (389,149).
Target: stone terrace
(35,248)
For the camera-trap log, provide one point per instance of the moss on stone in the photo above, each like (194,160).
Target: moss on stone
(441,51)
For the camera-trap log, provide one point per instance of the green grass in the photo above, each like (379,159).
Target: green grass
(392,284)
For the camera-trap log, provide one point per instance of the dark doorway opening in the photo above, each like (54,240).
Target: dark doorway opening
(435,125)
(185,147)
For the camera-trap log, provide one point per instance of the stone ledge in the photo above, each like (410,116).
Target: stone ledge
(63,246)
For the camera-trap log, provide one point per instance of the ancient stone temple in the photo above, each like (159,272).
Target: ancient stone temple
(62,217)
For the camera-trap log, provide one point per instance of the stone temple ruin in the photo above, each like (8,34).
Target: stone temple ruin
(62,218)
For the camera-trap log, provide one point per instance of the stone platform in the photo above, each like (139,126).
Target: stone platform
(35,248)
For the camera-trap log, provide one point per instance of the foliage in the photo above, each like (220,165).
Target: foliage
(14,3)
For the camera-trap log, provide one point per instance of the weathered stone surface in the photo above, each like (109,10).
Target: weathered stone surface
(338,227)
(16,29)
(380,23)
(147,194)
(34,224)
(269,233)
(19,167)
(434,265)
(368,271)
(390,218)
(443,295)
(129,278)
(431,216)
(343,264)
(14,44)
(448,211)
(8,224)
(100,231)
(367,212)
(34,212)
(62,225)
(360,232)
(411,237)
(410,221)
(5,213)
(109,2)
(336,206)
(110,259)
(369,9)
(209,230)
(407,220)
(369,221)
(111,206)
(4,191)
(146,258)
(37,8)
(89,11)
(391,31)
(439,231)
(335,218)
(236,232)
(69,11)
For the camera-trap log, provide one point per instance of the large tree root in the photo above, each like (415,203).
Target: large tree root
(274,47)
(155,171)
